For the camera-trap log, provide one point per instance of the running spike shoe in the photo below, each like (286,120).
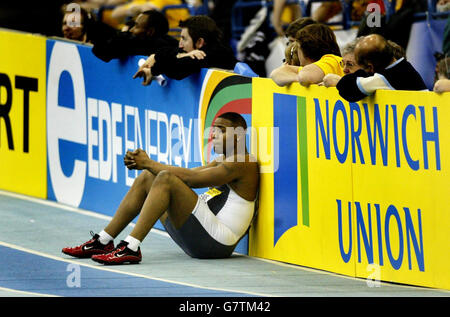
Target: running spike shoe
(89,248)
(121,254)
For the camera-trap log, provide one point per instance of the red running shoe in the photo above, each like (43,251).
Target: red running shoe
(121,254)
(89,248)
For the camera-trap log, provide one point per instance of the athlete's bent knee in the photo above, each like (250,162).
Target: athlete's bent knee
(144,177)
(164,177)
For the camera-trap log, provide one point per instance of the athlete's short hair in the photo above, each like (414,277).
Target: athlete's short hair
(235,118)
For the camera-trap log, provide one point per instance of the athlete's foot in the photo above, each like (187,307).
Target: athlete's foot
(89,248)
(121,254)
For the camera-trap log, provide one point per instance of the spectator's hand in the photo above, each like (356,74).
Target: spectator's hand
(331,80)
(149,62)
(145,70)
(145,73)
(195,54)
(442,85)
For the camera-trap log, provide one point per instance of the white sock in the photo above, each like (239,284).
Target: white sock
(133,243)
(104,238)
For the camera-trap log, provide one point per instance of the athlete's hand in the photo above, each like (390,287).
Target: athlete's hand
(138,159)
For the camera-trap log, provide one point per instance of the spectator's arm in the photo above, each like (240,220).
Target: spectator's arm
(284,75)
(310,74)
(120,13)
(442,85)
(167,63)
(348,87)
(331,80)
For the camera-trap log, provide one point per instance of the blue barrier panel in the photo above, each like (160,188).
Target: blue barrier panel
(96,112)
(425,39)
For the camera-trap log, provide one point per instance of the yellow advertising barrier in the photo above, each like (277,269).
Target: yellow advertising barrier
(361,189)
(22,113)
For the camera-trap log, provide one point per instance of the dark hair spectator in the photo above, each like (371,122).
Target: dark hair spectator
(74,23)
(201,46)
(296,26)
(202,26)
(155,22)
(318,54)
(147,34)
(316,40)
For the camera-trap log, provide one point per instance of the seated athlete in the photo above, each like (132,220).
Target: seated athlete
(205,226)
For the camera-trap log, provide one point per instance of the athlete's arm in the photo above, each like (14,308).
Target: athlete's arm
(213,174)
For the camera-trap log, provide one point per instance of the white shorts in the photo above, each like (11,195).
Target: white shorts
(203,235)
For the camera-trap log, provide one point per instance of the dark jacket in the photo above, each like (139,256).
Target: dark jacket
(167,63)
(110,43)
(400,75)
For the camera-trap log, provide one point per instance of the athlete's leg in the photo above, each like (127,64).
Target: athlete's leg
(167,193)
(131,204)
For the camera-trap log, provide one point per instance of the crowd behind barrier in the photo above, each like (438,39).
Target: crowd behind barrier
(234,18)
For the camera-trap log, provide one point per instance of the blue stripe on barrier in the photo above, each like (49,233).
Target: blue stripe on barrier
(285,178)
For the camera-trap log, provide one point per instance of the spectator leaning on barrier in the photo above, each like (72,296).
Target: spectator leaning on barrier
(443,76)
(200,46)
(148,33)
(348,62)
(318,53)
(380,70)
